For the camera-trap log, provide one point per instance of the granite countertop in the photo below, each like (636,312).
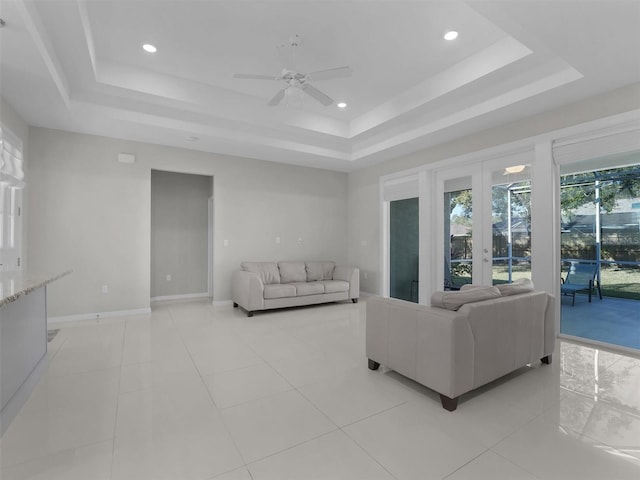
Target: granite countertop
(13,285)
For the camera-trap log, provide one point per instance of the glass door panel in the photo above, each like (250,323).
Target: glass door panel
(600,215)
(404,249)
(458,233)
(511,224)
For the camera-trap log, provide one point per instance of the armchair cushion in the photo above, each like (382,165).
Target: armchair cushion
(268,271)
(292,272)
(319,271)
(522,285)
(454,300)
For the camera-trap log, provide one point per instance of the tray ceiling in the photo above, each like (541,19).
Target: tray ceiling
(78,65)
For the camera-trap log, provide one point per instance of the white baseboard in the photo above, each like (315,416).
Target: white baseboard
(222,303)
(92,316)
(185,296)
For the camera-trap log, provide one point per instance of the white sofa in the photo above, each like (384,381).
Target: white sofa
(267,285)
(470,339)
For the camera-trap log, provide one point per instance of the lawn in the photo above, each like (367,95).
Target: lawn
(616,281)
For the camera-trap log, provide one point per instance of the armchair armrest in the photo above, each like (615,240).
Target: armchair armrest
(351,275)
(247,290)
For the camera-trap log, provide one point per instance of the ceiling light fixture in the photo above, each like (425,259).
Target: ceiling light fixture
(342,105)
(451,35)
(515,169)
(147,47)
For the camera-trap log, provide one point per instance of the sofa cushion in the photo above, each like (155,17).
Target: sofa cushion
(292,272)
(278,290)
(454,300)
(335,286)
(308,288)
(522,285)
(268,271)
(319,271)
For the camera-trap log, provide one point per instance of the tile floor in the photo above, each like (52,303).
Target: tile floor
(196,392)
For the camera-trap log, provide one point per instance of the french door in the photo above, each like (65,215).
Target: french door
(483,216)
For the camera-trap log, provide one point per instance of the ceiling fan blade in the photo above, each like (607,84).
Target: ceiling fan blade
(317,94)
(277,98)
(339,72)
(251,76)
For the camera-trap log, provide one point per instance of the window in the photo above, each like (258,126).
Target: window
(11,184)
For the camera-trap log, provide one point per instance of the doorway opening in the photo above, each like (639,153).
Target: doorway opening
(181,235)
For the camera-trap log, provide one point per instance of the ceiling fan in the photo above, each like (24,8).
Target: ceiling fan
(297,82)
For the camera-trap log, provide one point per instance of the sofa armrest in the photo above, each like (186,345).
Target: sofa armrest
(433,346)
(351,275)
(247,290)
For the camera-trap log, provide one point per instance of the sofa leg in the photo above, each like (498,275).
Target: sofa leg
(354,300)
(449,404)
(249,314)
(373,365)
(546,360)
(235,305)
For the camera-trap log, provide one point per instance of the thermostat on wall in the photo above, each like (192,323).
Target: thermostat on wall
(126,158)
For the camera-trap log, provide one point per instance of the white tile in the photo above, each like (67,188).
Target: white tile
(355,395)
(239,474)
(410,446)
(153,344)
(490,466)
(64,412)
(575,418)
(603,420)
(88,349)
(245,384)
(222,357)
(302,372)
(332,456)
(91,462)
(175,403)
(272,424)
(199,450)
(483,418)
(549,451)
(138,376)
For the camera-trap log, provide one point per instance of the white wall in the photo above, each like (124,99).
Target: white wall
(90,213)
(364,201)
(14,122)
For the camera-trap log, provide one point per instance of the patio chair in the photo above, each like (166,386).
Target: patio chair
(581,277)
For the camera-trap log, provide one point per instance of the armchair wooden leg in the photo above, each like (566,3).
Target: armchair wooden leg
(235,305)
(373,365)
(449,404)
(249,314)
(546,360)
(354,300)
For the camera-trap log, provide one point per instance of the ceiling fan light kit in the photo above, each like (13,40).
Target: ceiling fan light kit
(297,83)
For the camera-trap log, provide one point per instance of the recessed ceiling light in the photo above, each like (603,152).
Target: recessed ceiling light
(147,47)
(452,35)
(342,105)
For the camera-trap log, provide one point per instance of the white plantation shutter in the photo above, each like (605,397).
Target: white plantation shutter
(11,169)
(11,184)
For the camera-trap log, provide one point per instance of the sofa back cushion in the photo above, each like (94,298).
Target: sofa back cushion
(268,271)
(317,271)
(522,285)
(292,272)
(454,300)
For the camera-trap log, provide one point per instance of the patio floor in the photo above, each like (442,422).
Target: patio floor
(610,320)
